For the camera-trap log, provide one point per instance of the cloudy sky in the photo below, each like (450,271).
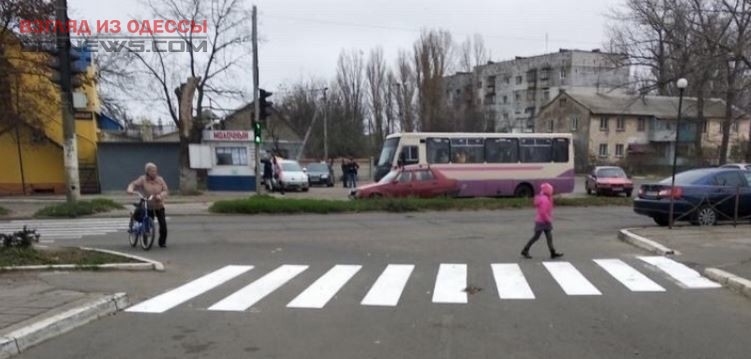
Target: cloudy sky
(302,38)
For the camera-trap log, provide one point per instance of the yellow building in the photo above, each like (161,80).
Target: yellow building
(31,131)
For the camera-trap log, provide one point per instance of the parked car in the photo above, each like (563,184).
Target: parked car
(291,176)
(410,181)
(318,174)
(740,166)
(701,196)
(608,180)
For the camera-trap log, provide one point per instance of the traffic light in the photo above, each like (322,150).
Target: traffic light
(265,104)
(257,129)
(80,59)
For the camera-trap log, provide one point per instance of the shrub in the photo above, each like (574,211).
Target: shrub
(80,208)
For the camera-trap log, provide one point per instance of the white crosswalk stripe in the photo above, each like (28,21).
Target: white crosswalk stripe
(388,288)
(510,282)
(629,276)
(680,272)
(322,290)
(252,293)
(570,279)
(190,290)
(450,284)
(59,229)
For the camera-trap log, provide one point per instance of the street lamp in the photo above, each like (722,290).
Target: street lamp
(682,84)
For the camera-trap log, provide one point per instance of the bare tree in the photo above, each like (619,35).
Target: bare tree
(406,88)
(433,53)
(210,64)
(472,52)
(377,81)
(351,87)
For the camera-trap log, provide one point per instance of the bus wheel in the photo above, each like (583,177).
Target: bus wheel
(524,190)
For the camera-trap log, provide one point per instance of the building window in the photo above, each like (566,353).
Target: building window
(550,126)
(704,127)
(563,73)
(620,123)
(531,96)
(518,80)
(517,97)
(231,156)
(603,123)
(505,99)
(604,150)
(642,124)
(546,96)
(574,123)
(619,150)
(562,102)
(507,80)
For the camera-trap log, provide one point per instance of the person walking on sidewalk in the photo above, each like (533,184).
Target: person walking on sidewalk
(543,221)
(353,168)
(152,184)
(345,172)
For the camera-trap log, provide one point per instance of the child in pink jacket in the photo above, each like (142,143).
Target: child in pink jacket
(543,220)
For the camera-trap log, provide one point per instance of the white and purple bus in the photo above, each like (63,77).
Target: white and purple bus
(487,164)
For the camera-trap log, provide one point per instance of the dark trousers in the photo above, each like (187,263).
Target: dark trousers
(539,230)
(160,217)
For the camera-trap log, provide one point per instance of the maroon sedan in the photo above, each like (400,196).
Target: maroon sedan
(410,181)
(608,180)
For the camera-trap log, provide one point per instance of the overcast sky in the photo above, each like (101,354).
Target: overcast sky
(302,38)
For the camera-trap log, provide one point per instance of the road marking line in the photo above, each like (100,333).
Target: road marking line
(322,290)
(450,284)
(510,281)
(254,292)
(190,290)
(680,272)
(630,277)
(570,279)
(389,286)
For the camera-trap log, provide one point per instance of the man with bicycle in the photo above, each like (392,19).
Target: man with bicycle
(151,184)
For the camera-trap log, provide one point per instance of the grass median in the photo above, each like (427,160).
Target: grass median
(3,211)
(78,209)
(272,205)
(51,256)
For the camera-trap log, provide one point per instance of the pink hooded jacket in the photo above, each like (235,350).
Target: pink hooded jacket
(544,204)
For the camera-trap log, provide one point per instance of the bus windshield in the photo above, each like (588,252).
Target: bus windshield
(388,152)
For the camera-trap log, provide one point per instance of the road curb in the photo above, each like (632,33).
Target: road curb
(22,339)
(644,243)
(730,281)
(145,265)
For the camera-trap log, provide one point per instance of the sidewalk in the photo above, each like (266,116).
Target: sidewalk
(724,247)
(32,311)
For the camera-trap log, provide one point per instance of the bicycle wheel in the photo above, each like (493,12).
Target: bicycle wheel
(133,235)
(149,232)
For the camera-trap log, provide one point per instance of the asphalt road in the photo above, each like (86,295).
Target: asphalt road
(679,322)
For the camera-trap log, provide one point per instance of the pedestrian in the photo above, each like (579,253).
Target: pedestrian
(543,221)
(353,168)
(268,173)
(278,174)
(345,172)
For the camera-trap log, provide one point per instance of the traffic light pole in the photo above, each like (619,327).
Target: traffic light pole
(256,104)
(70,146)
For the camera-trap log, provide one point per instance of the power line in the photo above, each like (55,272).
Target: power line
(415,30)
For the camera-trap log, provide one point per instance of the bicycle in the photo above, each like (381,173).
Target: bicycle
(141,231)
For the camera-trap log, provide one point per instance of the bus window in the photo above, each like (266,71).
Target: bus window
(388,152)
(467,150)
(438,150)
(501,150)
(560,150)
(409,155)
(535,150)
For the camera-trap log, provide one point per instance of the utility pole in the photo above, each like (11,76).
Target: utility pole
(325,127)
(256,104)
(70,146)
(18,134)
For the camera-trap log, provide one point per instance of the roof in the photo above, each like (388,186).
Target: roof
(665,107)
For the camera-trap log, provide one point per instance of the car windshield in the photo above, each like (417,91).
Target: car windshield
(611,173)
(291,167)
(318,167)
(389,177)
(388,152)
(688,177)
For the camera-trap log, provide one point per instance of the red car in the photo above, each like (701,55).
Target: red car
(608,180)
(410,181)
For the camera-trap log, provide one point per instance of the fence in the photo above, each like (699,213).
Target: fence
(723,204)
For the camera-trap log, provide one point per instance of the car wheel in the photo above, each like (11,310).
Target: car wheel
(524,190)
(705,216)
(305,189)
(629,193)
(661,221)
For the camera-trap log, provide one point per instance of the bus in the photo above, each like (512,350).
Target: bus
(486,164)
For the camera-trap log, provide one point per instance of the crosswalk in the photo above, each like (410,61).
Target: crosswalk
(450,286)
(61,229)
